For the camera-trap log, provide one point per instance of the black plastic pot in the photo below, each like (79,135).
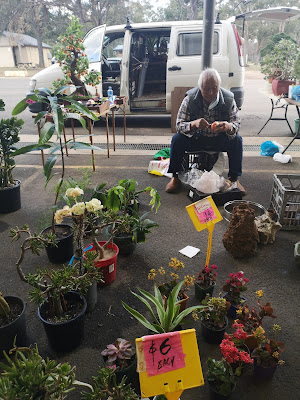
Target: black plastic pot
(10,198)
(125,243)
(64,250)
(17,328)
(215,395)
(65,336)
(201,293)
(213,335)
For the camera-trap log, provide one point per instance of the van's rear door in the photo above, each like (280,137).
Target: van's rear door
(185,60)
(274,14)
(93,43)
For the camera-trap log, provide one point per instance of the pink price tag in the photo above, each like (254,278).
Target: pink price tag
(163,353)
(206,215)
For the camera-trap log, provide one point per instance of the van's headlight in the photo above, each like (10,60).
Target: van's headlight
(32,85)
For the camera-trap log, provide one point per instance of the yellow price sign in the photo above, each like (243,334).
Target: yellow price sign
(168,363)
(204,215)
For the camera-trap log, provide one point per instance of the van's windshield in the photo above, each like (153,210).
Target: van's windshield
(92,45)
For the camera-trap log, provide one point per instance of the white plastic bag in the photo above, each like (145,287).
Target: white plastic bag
(282,158)
(210,182)
(191,177)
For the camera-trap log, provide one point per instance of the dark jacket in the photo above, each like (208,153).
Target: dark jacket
(223,107)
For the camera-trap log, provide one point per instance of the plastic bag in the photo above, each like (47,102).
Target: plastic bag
(191,177)
(295,92)
(283,158)
(210,182)
(268,148)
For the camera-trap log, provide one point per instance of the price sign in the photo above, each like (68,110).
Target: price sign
(168,363)
(202,212)
(163,353)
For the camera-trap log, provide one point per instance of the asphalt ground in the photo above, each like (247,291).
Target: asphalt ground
(272,269)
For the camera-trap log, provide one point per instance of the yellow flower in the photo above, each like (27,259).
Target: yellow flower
(239,311)
(275,354)
(259,333)
(74,192)
(276,327)
(174,276)
(176,264)
(65,212)
(78,208)
(259,293)
(281,362)
(195,316)
(93,205)
(151,274)
(189,280)
(162,271)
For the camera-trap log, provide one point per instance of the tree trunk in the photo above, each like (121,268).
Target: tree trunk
(40,48)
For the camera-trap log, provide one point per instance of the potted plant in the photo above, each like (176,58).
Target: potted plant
(12,322)
(221,378)
(105,386)
(61,307)
(279,65)
(121,356)
(166,287)
(52,121)
(252,319)
(10,197)
(222,375)
(267,354)
(213,318)
(206,282)
(124,200)
(234,287)
(163,319)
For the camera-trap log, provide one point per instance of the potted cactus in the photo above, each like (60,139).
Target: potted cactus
(12,322)
(10,197)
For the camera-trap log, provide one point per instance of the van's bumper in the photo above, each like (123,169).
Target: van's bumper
(37,107)
(238,95)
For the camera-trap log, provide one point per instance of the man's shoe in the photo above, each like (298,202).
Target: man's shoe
(173,186)
(237,185)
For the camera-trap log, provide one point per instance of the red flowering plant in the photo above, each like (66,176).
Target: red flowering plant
(235,286)
(252,319)
(239,336)
(268,351)
(233,355)
(207,277)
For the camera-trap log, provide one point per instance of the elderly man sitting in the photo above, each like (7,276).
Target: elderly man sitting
(207,120)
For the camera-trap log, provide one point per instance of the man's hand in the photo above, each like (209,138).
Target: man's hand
(200,123)
(221,126)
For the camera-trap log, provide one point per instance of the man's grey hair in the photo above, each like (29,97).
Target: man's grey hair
(207,73)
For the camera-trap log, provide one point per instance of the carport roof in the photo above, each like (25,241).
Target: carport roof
(14,39)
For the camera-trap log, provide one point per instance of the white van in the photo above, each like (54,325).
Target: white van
(146,61)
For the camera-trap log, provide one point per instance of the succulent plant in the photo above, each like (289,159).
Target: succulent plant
(118,353)
(4,307)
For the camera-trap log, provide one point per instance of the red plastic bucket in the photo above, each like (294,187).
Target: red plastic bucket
(109,266)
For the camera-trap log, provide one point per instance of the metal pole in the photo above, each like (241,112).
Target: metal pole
(208,32)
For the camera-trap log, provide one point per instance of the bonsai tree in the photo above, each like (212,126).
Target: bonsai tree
(26,375)
(51,284)
(279,64)
(9,136)
(73,60)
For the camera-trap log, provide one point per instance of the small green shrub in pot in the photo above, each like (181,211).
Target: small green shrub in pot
(214,312)
(9,136)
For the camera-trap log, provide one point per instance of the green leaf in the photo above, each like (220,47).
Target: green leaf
(113,201)
(47,132)
(77,117)
(57,115)
(49,164)
(140,318)
(147,305)
(31,147)
(183,314)
(82,109)
(81,145)
(40,115)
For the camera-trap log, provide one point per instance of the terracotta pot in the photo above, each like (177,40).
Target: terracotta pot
(251,342)
(183,302)
(281,87)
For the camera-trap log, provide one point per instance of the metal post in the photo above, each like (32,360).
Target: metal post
(208,32)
